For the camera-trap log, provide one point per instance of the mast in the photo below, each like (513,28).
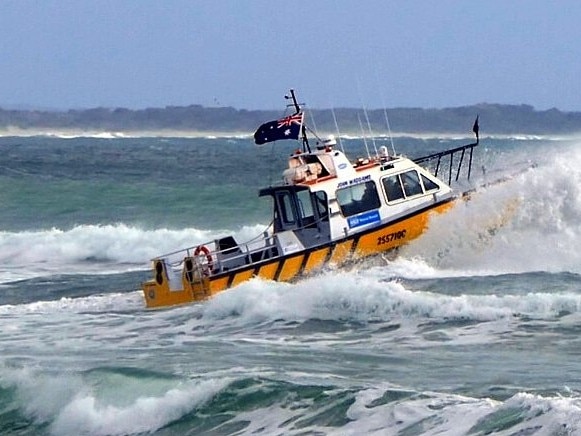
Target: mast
(306,147)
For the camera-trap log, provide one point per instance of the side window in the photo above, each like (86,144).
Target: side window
(357,199)
(406,185)
(411,183)
(321,204)
(428,184)
(392,188)
(286,209)
(305,205)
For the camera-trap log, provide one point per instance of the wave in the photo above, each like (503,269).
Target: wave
(123,401)
(97,248)
(367,294)
(386,410)
(530,222)
(372,296)
(329,305)
(85,414)
(99,303)
(104,401)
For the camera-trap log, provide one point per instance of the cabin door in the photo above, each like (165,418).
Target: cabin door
(306,213)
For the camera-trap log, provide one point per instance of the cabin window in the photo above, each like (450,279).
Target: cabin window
(404,185)
(429,185)
(358,198)
(306,212)
(286,208)
(322,204)
(411,183)
(392,187)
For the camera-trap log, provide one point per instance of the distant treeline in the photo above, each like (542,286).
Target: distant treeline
(494,119)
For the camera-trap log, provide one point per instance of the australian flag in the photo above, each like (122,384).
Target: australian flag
(285,128)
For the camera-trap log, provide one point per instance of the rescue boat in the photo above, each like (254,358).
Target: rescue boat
(327,210)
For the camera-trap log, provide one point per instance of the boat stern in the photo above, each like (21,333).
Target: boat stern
(167,289)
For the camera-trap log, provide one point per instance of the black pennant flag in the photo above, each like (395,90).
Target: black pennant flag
(475,128)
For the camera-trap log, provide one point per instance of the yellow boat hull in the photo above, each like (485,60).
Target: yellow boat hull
(381,239)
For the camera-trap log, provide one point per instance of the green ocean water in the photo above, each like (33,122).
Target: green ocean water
(472,330)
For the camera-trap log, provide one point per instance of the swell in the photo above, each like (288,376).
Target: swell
(123,401)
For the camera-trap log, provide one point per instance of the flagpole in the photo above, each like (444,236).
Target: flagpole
(306,147)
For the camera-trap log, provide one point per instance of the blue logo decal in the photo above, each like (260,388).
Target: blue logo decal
(342,166)
(363,219)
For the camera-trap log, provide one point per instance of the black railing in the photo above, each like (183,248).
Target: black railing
(438,158)
(462,150)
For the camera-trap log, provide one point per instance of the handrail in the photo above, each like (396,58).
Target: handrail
(193,247)
(246,250)
(451,153)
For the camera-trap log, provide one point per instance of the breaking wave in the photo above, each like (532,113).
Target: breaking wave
(530,222)
(123,401)
(96,248)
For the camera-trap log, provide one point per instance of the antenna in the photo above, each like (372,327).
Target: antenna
(294,99)
(337,128)
(370,132)
(363,133)
(368,123)
(388,129)
(312,117)
(385,114)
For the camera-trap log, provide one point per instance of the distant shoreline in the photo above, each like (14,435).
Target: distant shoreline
(198,121)
(199,134)
(106,134)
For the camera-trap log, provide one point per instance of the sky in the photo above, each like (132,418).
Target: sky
(63,54)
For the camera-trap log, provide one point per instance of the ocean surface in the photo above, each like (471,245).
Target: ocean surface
(474,329)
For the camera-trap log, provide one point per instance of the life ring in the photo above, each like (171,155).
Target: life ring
(202,250)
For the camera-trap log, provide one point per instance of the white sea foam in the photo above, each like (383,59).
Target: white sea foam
(426,413)
(457,414)
(555,414)
(531,222)
(365,297)
(105,403)
(73,404)
(461,415)
(97,248)
(86,414)
(127,301)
